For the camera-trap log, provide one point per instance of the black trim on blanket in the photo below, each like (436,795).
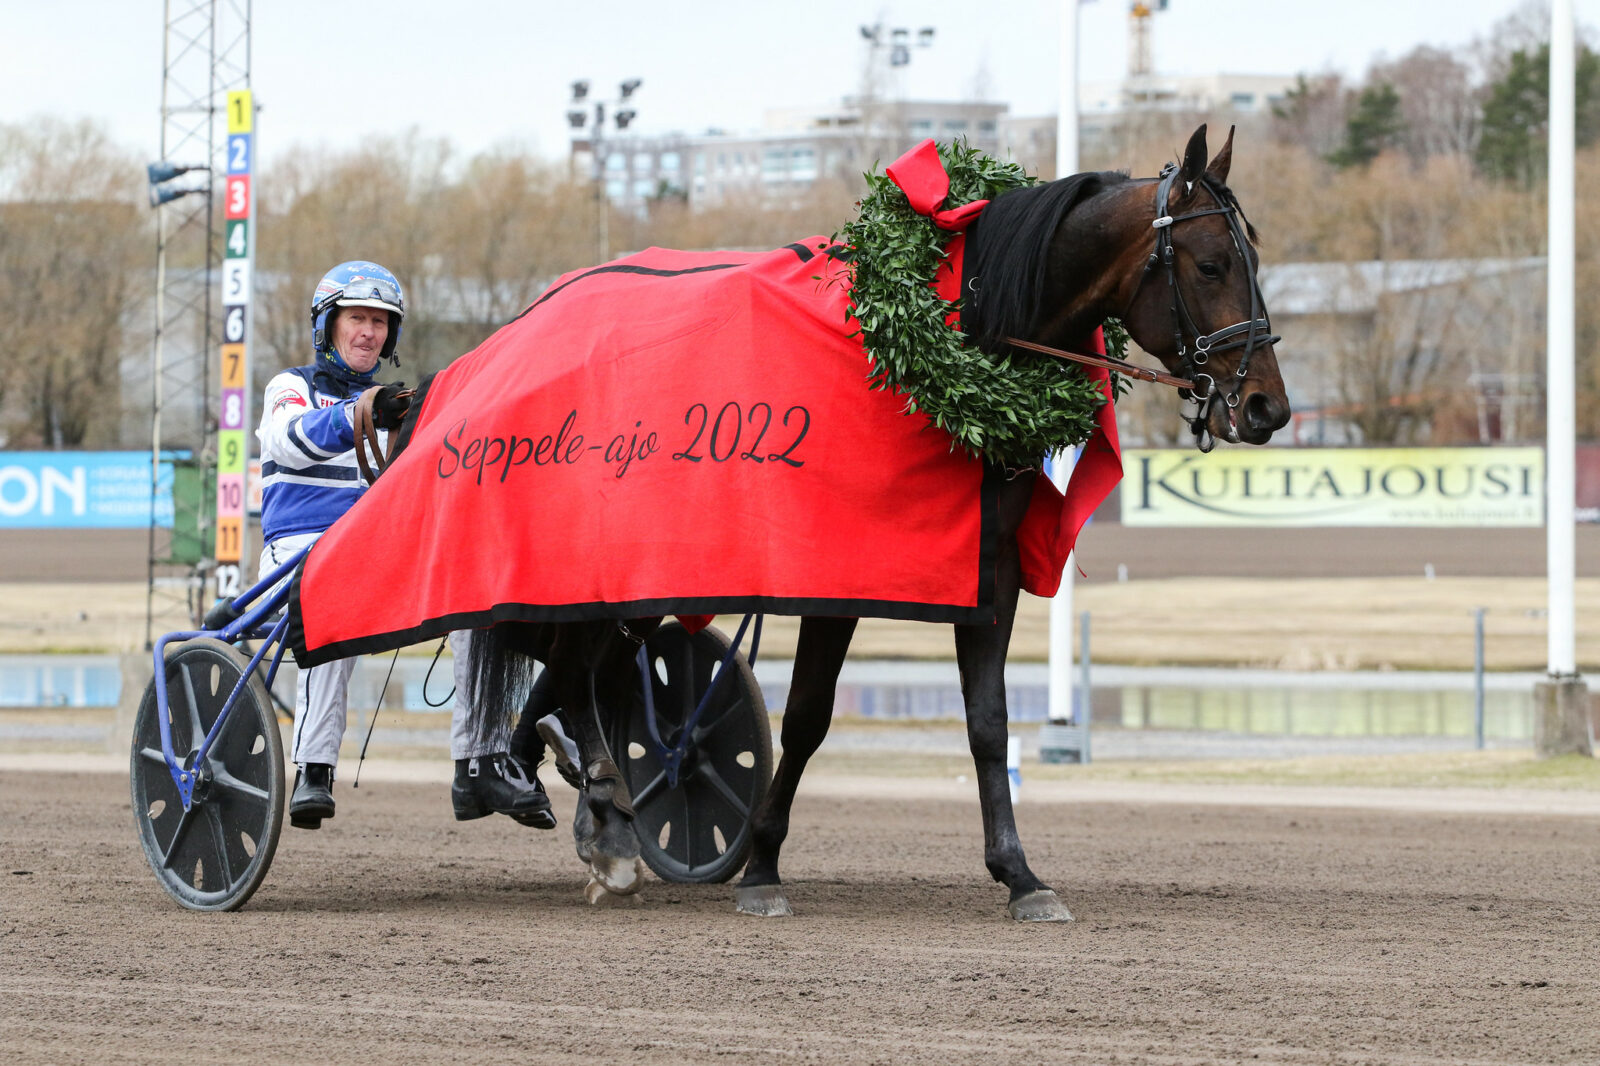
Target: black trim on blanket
(982,614)
(628,268)
(805,254)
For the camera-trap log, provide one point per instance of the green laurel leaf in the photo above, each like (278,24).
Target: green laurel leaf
(1009,410)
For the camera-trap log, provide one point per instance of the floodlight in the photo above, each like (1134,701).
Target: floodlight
(165,194)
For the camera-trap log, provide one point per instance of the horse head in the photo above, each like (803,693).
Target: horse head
(1173,257)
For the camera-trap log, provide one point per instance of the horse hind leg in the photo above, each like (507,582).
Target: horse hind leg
(616,872)
(602,826)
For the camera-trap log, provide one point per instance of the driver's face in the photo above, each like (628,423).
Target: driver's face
(358,334)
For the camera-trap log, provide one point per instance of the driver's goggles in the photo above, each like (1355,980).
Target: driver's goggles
(371,290)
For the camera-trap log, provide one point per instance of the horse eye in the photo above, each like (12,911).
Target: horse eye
(1210,270)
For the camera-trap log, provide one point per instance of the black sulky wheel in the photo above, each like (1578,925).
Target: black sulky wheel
(214,855)
(698,832)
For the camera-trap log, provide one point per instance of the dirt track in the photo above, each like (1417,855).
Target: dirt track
(1220,934)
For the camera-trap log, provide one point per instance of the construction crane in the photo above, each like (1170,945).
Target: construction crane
(1141,62)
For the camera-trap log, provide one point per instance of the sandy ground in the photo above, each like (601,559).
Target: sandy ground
(1268,931)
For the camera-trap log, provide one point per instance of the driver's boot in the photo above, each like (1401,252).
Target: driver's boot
(499,784)
(313,796)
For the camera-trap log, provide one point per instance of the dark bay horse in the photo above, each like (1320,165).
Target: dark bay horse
(1174,259)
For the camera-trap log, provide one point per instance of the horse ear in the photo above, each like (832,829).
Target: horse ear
(1217,169)
(1194,158)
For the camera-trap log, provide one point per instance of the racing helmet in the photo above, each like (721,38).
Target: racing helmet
(357,283)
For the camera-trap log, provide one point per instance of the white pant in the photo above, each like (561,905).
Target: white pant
(320,693)
(462,745)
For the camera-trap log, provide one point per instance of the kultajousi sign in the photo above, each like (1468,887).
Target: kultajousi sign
(1334,487)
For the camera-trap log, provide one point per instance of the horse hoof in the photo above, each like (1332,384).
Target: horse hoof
(762,901)
(619,875)
(599,896)
(1040,905)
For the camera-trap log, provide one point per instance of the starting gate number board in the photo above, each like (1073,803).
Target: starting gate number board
(233,402)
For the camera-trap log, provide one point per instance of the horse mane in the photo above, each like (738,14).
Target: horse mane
(1226,195)
(1007,250)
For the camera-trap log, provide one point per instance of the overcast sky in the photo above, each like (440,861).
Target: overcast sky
(488,72)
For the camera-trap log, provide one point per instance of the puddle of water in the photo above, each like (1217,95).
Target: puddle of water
(59,680)
(1245,702)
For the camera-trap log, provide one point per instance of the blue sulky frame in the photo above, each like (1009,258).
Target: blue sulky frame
(672,757)
(247,626)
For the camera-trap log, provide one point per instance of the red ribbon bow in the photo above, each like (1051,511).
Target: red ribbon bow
(921,176)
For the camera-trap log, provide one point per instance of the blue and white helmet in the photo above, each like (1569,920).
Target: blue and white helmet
(357,283)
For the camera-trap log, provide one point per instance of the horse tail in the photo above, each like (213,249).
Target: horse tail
(501,667)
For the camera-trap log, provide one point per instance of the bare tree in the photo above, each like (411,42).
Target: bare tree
(1312,115)
(71,236)
(1439,103)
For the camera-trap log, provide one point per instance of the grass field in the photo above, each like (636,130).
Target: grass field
(1400,623)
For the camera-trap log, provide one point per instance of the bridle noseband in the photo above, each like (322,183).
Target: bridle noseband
(1250,334)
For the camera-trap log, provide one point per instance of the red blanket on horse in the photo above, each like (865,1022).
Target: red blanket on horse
(676,433)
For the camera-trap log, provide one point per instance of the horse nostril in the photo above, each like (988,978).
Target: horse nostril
(1261,414)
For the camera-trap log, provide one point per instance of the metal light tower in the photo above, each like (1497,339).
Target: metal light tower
(578,120)
(897,41)
(205,53)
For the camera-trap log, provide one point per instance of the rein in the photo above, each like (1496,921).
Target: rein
(367,435)
(1106,362)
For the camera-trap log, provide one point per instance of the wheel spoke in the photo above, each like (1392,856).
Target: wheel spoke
(650,791)
(687,681)
(688,833)
(233,713)
(177,837)
(154,756)
(225,780)
(219,843)
(197,731)
(705,727)
(708,773)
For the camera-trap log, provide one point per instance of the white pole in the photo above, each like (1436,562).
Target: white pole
(1060,672)
(1560,406)
(1060,679)
(1067,103)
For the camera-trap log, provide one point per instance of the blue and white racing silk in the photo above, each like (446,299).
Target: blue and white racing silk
(309,476)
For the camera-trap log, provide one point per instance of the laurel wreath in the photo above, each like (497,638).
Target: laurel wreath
(1011,409)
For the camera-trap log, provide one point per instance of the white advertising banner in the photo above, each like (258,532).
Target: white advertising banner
(1243,486)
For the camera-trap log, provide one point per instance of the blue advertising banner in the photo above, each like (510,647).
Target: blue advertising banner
(81,490)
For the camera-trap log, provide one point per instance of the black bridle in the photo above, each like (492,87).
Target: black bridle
(1254,332)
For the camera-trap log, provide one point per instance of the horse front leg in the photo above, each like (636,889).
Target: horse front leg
(818,658)
(981,655)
